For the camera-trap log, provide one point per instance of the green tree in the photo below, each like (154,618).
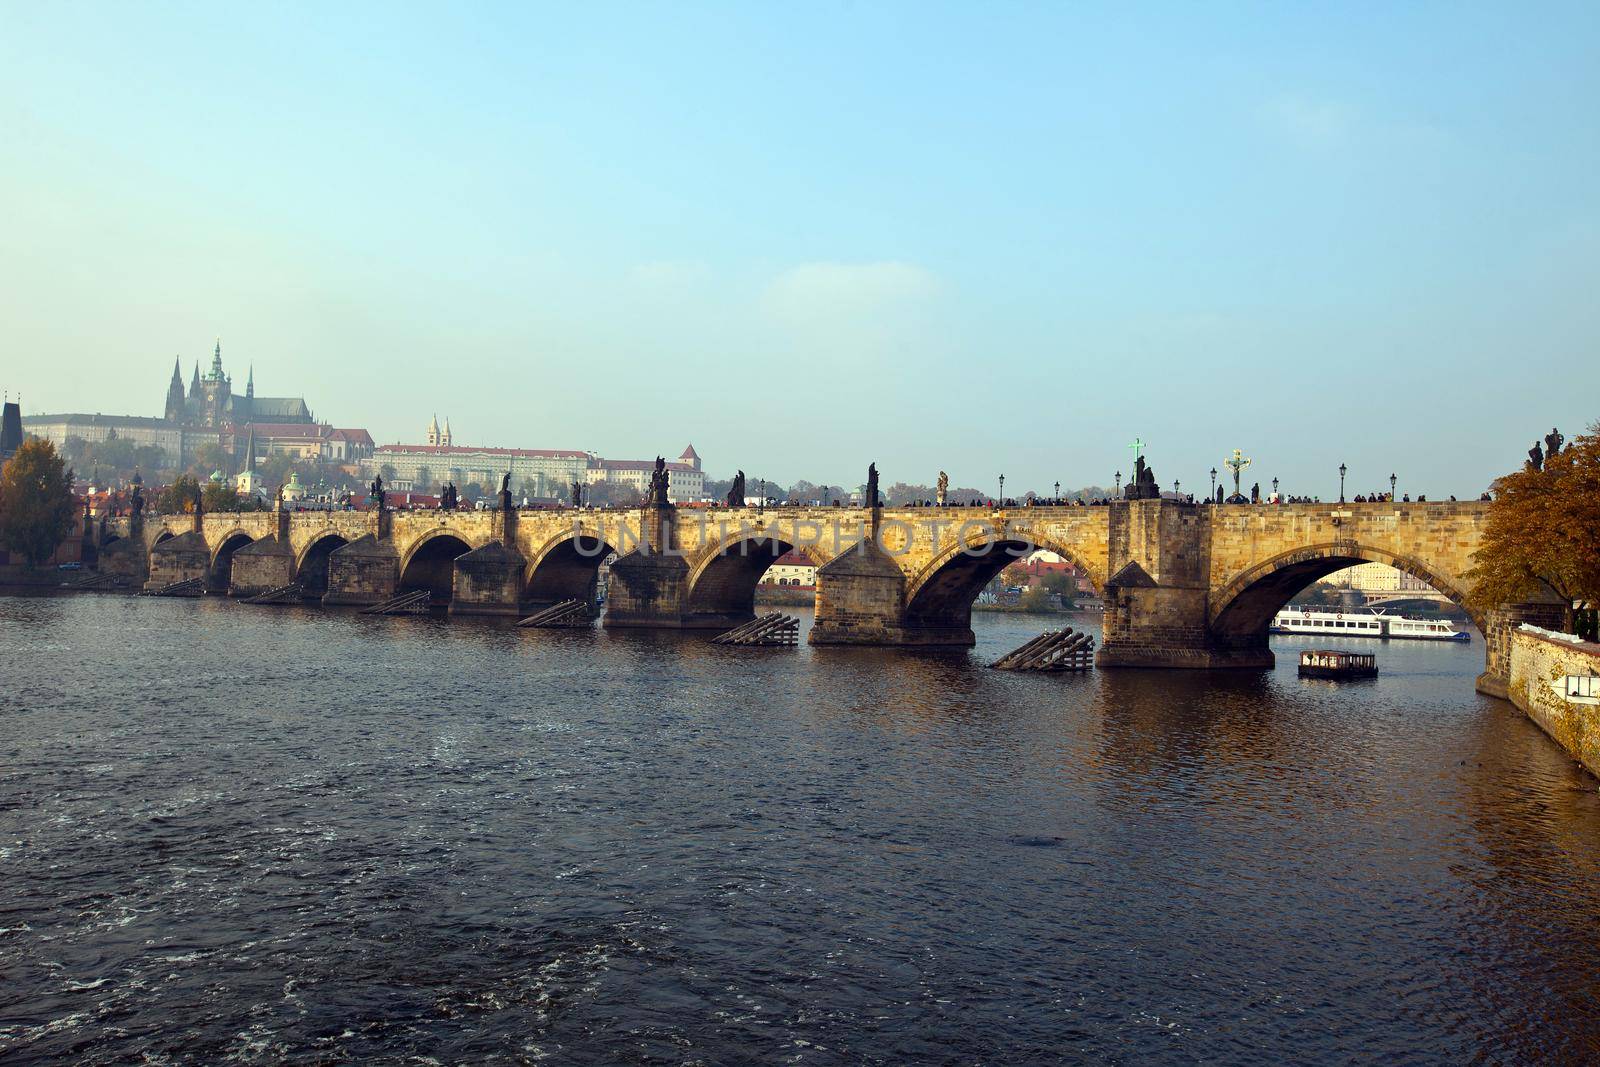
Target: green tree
(900,494)
(222,496)
(1061,584)
(1037,599)
(424,480)
(1543,532)
(36,503)
(616,494)
(178,497)
(208,457)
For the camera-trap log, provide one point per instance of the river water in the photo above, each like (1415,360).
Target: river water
(233,834)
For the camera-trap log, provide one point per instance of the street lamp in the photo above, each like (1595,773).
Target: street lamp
(1057,497)
(1116,484)
(1002,490)
(1274,487)
(1213,483)
(1392,480)
(1342,469)
(1175,485)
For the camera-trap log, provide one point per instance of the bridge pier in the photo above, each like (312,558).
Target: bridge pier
(179,559)
(1497,631)
(861,600)
(264,564)
(647,590)
(488,581)
(362,573)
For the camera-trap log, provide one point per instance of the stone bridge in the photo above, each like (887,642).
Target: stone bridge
(1185,585)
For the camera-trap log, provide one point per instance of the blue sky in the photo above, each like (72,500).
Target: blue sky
(985,238)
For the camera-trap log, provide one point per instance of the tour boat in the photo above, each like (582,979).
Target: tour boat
(1328,663)
(1364,624)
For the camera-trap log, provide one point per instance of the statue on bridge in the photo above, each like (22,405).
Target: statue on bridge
(941,491)
(577,494)
(505,491)
(1255,493)
(375,494)
(1535,458)
(1237,463)
(136,501)
(871,499)
(736,491)
(1143,486)
(1553,442)
(659,484)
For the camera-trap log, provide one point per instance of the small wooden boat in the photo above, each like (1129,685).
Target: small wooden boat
(1326,663)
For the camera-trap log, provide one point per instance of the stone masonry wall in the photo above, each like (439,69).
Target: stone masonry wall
(1537,660)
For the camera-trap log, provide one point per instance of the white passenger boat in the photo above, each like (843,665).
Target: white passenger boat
(1364,624)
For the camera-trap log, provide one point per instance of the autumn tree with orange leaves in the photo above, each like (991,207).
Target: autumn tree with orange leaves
(1543,533)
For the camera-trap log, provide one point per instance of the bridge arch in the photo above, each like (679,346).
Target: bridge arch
(722,581)
(311,568)
(566,567)
(222,558)
(1243,608)
(430,563)
(939,597)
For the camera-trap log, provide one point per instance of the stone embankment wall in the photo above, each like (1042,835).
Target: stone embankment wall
(1540,658)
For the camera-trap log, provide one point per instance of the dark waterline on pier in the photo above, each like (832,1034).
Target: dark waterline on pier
(264,835)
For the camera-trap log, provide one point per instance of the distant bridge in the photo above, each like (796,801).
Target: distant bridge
(1185,585)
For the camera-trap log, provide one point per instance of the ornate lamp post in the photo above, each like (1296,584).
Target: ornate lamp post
(1392,480)
(1116,484)
(1057,497)
(1002,490)
(1274,487)
(1342,469)
(1175,485)
(1213,483)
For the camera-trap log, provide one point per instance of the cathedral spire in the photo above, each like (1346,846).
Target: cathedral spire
(194,386)
(216,362)
(250,384)
(174,409)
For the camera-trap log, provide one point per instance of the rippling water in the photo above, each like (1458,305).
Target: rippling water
(263,835)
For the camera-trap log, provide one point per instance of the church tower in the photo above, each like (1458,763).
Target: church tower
(175,394)
(444,438)
(433,430)
(250,384)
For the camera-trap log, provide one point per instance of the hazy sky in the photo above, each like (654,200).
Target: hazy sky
(988,238)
